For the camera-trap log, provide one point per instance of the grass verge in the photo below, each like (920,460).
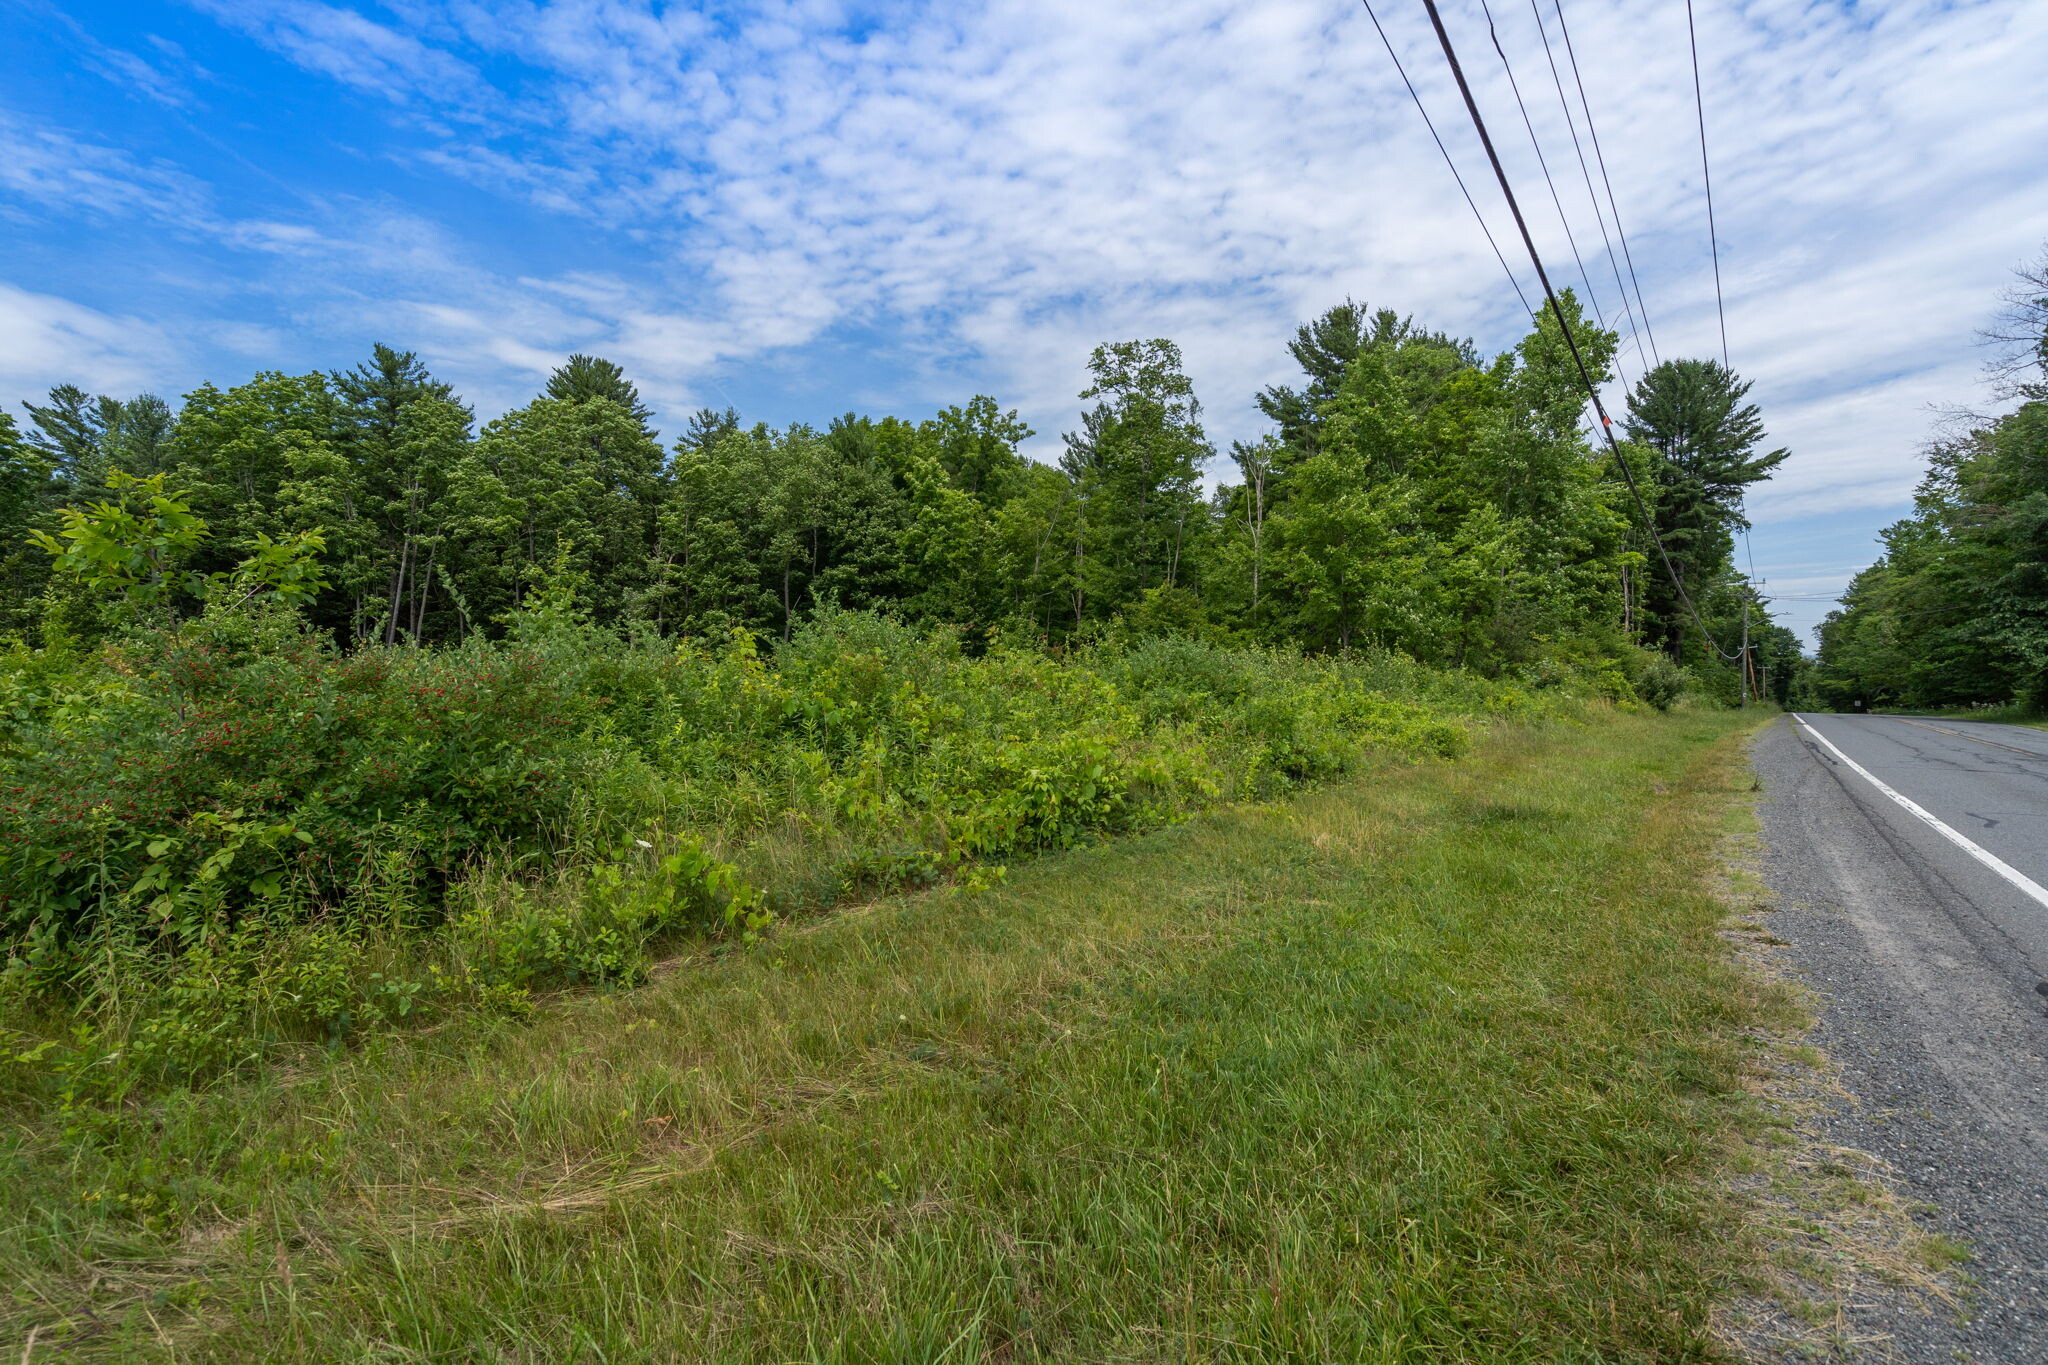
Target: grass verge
(1438,1064)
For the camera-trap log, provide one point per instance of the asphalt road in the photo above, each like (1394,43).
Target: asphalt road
(1932,968)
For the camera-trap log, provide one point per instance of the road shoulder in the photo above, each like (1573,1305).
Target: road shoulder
(1907,1094)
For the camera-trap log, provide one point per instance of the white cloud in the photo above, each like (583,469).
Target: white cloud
(1027,179)
(44,339)
(993,188)
(346,46)
(54,171)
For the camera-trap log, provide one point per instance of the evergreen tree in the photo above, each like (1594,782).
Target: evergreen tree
(1325,348)
(403,434)
(583,378)
(71,432)
(138,435)
(1692,414)
(707,427)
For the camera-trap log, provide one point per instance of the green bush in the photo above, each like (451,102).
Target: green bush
(1661,683)
(230,836)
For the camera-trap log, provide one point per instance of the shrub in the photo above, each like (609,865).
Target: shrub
(1661,683)
(231,835)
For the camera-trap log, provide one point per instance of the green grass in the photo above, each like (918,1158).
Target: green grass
(1435,1064)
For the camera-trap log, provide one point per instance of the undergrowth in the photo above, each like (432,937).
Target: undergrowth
(1432,1063)
(227,839)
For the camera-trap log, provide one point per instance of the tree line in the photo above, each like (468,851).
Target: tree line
(1955,610)
(1412,494)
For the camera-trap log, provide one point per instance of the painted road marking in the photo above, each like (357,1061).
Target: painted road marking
(1982,855)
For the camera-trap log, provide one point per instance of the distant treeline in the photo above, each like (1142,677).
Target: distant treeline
(1955,612)
(1413,495)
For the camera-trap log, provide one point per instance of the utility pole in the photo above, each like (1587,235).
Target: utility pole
(1745,647)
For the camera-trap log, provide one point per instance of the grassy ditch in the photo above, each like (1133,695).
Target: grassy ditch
(1429,1067)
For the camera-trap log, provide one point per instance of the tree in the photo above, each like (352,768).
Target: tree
(82,437)
(133,548)
(1325,347)
(265,457)
(2019,366)
(403,434)
(1245,512)
(574,475)
(1345,551)
(1956,609)
(71,432)
(138,436)
(1137,463)
(707,427)
(583,378)
(1692,414)
(977,447)
(25,502)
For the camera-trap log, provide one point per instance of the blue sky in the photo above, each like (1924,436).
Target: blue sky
(805,208)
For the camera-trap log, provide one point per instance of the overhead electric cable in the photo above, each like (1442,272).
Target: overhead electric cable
(1707,179)
(1635,330)
(1699,100)
(1431,125)
(1571,342)
(1600,159)
(1592,298)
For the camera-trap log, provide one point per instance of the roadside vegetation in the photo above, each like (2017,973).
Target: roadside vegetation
(1435,1061)
(1955,612)
(338,736)
(325,712)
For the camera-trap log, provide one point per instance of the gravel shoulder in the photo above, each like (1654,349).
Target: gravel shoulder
(1931,1018)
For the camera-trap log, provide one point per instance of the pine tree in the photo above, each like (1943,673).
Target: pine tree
(403,436)
(1692,414)
(585,377)
(138,436)
(71,432)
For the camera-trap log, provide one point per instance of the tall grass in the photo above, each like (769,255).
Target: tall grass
(1428,1065)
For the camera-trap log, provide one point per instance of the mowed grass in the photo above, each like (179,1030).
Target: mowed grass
(1437,1064)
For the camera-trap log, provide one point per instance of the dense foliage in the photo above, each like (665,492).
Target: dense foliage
(1955,612)
(1414,496)
(324,706)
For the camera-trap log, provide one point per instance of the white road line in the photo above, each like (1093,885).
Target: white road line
(1984,856)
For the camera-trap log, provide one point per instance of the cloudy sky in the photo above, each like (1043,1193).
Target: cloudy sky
(803,208)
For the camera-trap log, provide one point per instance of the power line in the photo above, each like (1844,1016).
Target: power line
(1699,101)
(1431,125)
(1707,178)
(1600,159)
(1635,330)
(1585,375)
(1515,86)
